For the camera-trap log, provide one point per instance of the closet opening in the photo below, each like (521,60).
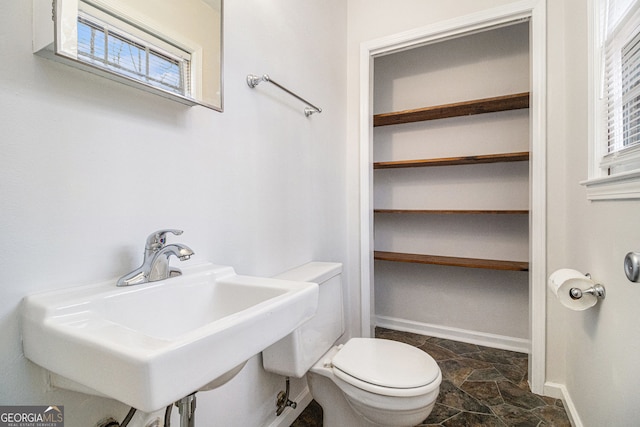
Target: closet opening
(451,188)
(454,188)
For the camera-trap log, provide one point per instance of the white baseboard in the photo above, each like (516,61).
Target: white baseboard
(559,391)
(519,345)
(289,415)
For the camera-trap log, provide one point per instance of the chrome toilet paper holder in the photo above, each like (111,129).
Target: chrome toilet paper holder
(596,290)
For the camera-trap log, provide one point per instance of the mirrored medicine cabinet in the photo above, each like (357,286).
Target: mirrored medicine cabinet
(167,47)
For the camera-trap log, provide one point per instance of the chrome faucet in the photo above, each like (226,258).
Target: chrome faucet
(156,260)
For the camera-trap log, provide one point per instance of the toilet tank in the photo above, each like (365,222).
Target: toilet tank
(294,355)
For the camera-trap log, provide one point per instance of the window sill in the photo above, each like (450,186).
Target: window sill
(622,186)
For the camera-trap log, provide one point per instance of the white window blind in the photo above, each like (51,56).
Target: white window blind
(622,76)
(614,100)
(129,52)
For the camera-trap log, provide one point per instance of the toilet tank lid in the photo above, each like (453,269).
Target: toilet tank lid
(386,363)
(314,271)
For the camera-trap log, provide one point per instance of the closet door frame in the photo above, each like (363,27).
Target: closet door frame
(535,12)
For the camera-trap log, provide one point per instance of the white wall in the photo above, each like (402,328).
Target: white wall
(89,167)
(593,352)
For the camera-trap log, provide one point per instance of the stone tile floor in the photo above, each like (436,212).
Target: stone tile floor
(481,386)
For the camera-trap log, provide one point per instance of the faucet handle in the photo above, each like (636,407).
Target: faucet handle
(157,239)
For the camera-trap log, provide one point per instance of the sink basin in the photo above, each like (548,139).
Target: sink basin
(152,344)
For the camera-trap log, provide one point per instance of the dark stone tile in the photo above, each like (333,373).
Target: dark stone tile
(549,400)
(506,353)
(452,396)
(518,355)
(483,348)
(553,416)
(415,340)
(469,419)
(513,373)
(492,355)
(516,396)
(524,385)
(474,363)
(439,414)
(486,392)
(437,352)
(456,346)
(522,363)
(516,417)
(310,417)
(487,374)
(455,370)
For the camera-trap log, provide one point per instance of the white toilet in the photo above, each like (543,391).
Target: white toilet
(365,382)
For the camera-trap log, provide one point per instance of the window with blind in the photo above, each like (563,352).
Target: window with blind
(615,100)
(109,43)
(622,76)
(630,95)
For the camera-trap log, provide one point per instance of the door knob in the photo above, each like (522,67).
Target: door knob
(632,266)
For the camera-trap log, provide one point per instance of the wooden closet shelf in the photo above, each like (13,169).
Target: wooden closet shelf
(467,108)
(453,161)
(490,264)
(454,211)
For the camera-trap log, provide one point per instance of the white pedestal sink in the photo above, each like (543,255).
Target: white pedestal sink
(152,344)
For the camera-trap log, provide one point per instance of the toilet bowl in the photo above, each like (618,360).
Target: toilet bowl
(364,382)
(386,383)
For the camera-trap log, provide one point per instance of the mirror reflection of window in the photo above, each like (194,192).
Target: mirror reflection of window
(143,57)
(167,47)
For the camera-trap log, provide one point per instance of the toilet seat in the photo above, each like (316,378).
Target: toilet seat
(385,367)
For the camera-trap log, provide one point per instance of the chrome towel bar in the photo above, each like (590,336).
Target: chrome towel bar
(253,81)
